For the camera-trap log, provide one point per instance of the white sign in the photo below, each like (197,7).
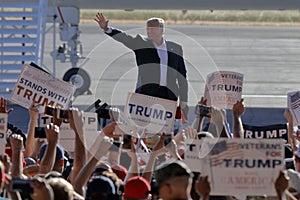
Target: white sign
(3,129)
(152,113)
(223,88)
(193,155)
(67,135)
(243,167)
(293,100)
(37,86)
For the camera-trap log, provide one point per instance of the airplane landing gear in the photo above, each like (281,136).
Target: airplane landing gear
(80,79)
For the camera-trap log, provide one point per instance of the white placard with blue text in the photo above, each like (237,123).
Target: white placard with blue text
(151,113)
(3,129)
(223,88)
(37,86)
(242,167)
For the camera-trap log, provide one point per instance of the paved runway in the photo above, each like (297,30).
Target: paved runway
(267,56)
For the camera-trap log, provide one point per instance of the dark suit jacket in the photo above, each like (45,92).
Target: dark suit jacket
(148,63)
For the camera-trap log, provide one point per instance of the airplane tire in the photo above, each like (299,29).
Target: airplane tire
(79,78)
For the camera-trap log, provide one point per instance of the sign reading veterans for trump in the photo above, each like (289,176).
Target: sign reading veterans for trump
(151,113)
(223,88)
(293,101)
(272,131)
(37,86)
(3,129)
(243,167)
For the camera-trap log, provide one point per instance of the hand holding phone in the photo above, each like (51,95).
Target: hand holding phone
(202,110)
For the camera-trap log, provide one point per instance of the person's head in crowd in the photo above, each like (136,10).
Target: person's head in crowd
(59,158)
(101,167)
(101,187)
(137,188)
(120,171)
(52,174)
(29,161)
(174,181)
(294,182)
(62,189)
(118,183)
(297,159)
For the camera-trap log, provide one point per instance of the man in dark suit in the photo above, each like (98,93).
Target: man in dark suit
(161,68)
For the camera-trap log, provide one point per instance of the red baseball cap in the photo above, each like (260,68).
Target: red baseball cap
(120,171)
(137,188)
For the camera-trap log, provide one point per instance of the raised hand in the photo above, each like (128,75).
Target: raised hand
(217,115)
(172,149)
(101,20)
(56,120)
(52,132)
(202,101)
(202,187)
(3,104)
(34,111)
(238,108)
(75,120)
(16,142)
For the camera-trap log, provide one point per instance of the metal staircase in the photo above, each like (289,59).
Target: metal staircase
(22,35)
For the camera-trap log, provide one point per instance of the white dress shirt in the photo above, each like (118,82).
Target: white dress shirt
(163,55)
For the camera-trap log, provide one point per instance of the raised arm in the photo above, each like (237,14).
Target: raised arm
(158,149)
(16,146)
(218,117)
(88,168)
(198,122)
(48,159)
(76,123)
(102,21)
(3,104)
(117,34)
(134,168)
(202,187)
(291,139)
(33,122)
(238,110)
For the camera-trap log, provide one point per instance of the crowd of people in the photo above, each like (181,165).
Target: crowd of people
(35,168)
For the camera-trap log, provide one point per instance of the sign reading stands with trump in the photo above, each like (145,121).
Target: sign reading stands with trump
(149,113)
(223,88)
(237,167)
(35,85)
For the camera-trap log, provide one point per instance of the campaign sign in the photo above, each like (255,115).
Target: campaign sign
(67,135)
(3,128)
(223,88)
(37,86)
(272,131)
(152,114)
(242,167)
(194,154)
(293,101)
